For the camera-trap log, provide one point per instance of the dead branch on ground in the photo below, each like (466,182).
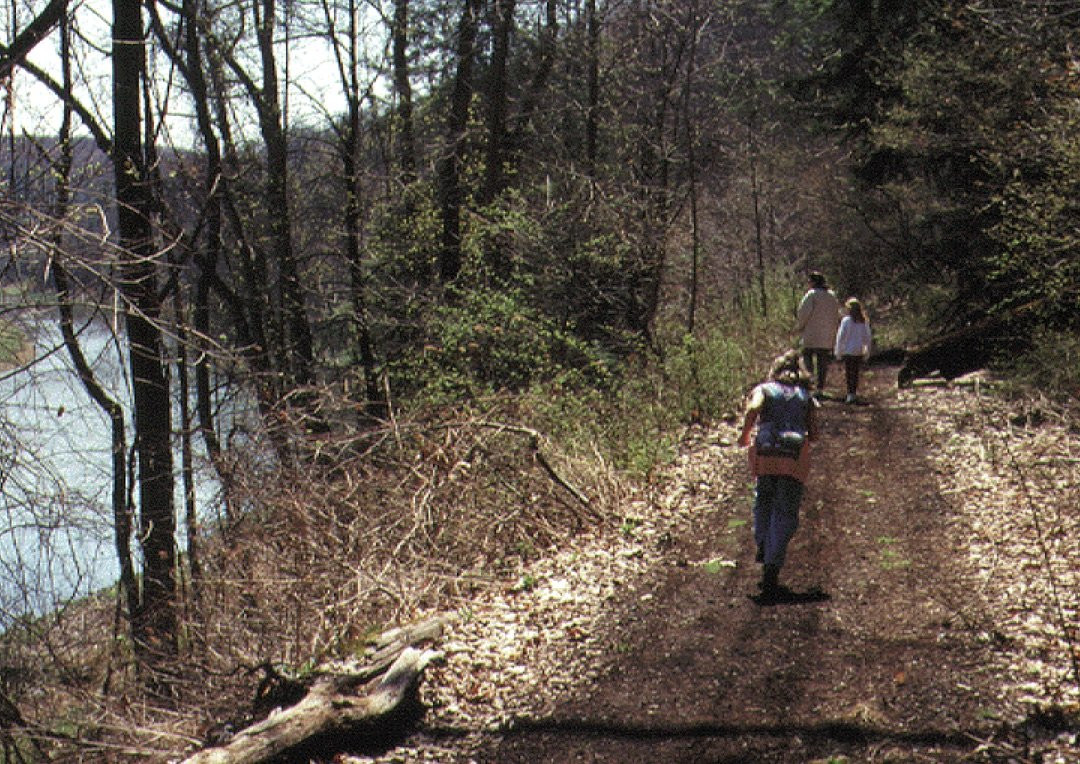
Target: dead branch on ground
(347,703)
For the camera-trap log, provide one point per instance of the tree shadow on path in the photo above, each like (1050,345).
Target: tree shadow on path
(861,656)
(840,732)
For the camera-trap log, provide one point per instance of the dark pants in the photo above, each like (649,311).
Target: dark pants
(852,366)
(817,363)
(776,515)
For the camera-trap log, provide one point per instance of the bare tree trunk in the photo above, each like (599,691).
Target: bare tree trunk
(207,252)
(246,312)
(375,403)
(121,510)
(249,305)
(298,355)
(187,461)
(759,244)
(531,99)
(692,176)
(592,96)
(646,273)
(451,195)
(403,88)
(497,93)
(154,622)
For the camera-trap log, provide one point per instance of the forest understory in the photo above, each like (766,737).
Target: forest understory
(385,312)
(940,549)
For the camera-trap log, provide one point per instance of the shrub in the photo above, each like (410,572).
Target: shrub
(708,375)
(1051,366)
(488,340)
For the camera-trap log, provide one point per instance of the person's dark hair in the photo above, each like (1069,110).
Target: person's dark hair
(817,279)
(788,369)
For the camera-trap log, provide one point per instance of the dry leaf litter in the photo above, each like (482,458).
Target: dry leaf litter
(1011,482)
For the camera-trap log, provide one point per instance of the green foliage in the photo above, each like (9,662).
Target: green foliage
(540,300)
(811,9)
(1037,232)
(968,151)
(634,423)
(920,317)
(579,269)
(623,420)
(716,565)
(399,249)
(20,749)
(629,525)
(635,418)
(708,375)
(485,340)
(1051,366)
(891,557)
(358,645)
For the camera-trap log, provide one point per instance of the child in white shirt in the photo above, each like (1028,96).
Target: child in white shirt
(853,345)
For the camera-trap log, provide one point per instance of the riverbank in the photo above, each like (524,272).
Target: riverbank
(15,347)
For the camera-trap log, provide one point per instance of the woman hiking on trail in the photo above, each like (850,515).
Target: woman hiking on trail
(817,320)
(785,415)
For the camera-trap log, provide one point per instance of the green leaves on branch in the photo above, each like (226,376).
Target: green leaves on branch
(488,340)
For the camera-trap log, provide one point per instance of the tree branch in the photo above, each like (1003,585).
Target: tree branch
(38,29)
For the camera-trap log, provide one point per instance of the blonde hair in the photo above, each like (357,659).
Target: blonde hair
(855,308)
(788,369)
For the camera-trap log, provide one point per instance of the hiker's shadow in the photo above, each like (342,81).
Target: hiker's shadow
(789,597)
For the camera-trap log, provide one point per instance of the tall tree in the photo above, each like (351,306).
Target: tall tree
(451,193)
(592,86)
(349,145)
(532,97)
(403,91)
(691,137)
(290,356)
(298,351)
(154,622)
(662,45)
(208,252)
(65,299)
(497,95)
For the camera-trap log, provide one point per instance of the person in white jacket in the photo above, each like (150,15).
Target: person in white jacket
(853,340)
(816,322)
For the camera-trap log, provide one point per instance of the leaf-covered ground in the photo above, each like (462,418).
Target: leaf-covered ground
(940,551)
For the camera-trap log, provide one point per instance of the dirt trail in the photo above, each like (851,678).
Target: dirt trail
(879,667)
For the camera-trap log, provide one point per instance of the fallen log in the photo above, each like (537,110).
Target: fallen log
(951,356)
(357,704)
(970,348)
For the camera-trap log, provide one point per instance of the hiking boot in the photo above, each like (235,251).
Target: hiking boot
(770,579)
(772,591)
(778,595)
(850,398)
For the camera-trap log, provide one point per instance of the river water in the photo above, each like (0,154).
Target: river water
(56,532)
